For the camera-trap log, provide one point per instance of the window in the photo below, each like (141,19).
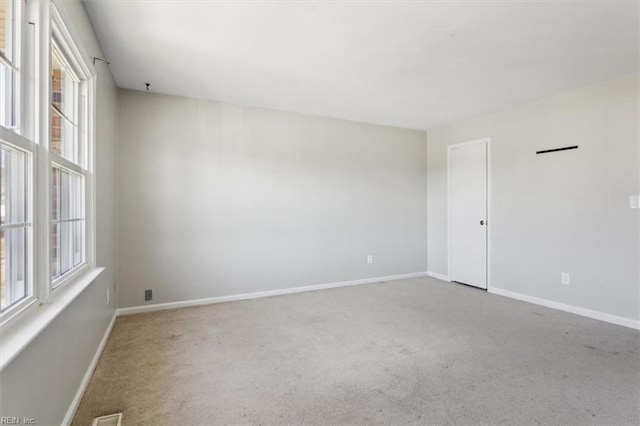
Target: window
(15,227)
(46,184)
(16,160)
(67,233)
(64,108)
(9,62)
(68,144)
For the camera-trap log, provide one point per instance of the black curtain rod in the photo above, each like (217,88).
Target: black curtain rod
(557,149)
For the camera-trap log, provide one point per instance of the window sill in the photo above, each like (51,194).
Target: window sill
(18,333)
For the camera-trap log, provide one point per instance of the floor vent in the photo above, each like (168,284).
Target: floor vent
(108,420)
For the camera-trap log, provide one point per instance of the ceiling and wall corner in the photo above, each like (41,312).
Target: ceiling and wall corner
(408,64)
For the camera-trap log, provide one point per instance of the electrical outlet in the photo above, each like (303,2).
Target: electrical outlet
(107,296)
(369,259)
(634,201)
(565,278)
(148,295)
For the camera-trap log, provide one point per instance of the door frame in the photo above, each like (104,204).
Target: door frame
(489,219)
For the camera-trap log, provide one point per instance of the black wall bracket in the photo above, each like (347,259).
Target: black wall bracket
(100,59)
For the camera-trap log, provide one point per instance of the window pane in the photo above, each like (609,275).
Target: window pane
(64,108)
(78,242)
(13,266)
(67,194)
(14,229)
(55,249)
(57,133)
(55,193)
(59,265)
(68,227)
(7,10)
(64,87)
(67,247)
(7,95)
(13,184)
(64,136)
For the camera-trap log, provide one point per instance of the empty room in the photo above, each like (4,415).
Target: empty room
(319,212)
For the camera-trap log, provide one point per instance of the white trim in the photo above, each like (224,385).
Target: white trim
(69,41)
(66,164)
(261,294)
(19,141)
(437,276)
(68,276)
(601,316)
(22,330)
(489,219)
(71,411)
(90,187)
(16,309)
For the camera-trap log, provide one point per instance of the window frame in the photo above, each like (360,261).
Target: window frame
(80,66)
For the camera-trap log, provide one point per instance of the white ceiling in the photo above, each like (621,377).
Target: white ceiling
(408,64)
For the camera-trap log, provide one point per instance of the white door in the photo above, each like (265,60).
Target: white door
(468,213)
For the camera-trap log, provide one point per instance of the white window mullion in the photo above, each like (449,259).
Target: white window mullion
(43,181)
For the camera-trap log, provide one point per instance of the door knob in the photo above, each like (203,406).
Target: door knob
(482,222)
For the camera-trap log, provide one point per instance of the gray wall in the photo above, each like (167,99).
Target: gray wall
(43,380)
(560,212)
(216,199)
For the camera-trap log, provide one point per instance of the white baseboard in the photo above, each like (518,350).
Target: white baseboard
(260,294)
(71,411)
(438,276)
(614,319)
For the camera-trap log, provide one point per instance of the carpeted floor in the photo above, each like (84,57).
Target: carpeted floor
(417,351)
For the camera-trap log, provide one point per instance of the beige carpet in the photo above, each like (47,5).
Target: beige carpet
(416,351)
